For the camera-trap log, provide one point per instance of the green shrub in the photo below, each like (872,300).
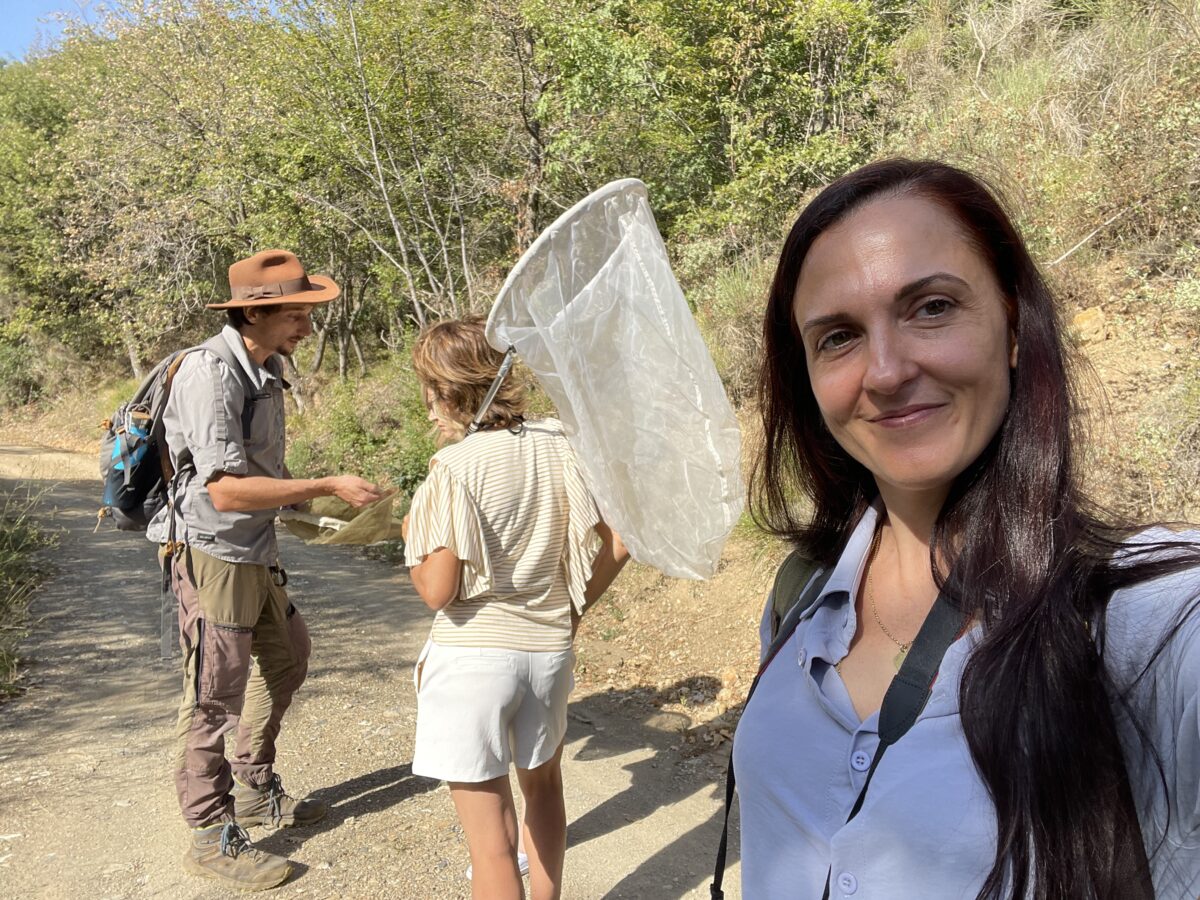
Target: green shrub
(1084,111)
(729,311)
(375,427)
(19,381)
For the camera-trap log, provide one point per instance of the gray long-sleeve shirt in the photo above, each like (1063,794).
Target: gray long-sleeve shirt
(203,417)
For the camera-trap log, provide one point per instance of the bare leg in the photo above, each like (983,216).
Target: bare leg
(521,829)
(545,830)
(489,821)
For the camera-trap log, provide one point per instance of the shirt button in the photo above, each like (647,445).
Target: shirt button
(801,657)
(860,760)
(847,883)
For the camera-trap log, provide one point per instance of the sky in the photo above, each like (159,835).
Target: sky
(20,25)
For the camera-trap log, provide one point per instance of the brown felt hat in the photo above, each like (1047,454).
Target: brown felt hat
(275,276)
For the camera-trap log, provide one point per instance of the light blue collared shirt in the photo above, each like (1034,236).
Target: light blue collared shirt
(927,828)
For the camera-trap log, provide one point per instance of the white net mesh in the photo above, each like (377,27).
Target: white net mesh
(595,311)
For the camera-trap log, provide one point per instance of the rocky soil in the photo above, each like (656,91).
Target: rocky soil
(87,806)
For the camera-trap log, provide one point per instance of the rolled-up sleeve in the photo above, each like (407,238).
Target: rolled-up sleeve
(206,404)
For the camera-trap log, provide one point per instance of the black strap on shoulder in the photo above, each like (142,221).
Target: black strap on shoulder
(910,688)
(792,577)
(795,591)
(218,346)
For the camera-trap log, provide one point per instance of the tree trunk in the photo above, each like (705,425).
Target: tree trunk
(131,348)
(296,380)
(322,341)
(528,201)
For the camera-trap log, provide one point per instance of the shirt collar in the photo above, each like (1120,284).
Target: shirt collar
(260,376)
(850,565)
(833,619)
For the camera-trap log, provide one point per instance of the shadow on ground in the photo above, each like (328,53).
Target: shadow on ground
(620,722)
(104,699)
(369,793)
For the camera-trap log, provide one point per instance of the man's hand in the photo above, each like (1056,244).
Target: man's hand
(356,491)
(404,527)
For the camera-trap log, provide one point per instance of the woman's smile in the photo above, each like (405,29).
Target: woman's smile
(914,414)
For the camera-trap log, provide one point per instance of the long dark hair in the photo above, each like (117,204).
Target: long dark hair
(1031,558)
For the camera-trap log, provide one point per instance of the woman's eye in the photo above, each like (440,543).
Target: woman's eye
(835,340)
(933,307)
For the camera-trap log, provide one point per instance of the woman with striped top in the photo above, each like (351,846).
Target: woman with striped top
(505,544)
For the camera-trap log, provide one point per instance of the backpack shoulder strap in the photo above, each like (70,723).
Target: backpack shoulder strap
(219,348)
(798,585)
(164,451)
(792,577)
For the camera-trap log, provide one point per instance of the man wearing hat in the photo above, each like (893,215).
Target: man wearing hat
(245,644)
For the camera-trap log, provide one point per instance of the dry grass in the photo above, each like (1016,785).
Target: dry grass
(20,573)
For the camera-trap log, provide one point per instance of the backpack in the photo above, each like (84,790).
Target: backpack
(793,576)
(135,463)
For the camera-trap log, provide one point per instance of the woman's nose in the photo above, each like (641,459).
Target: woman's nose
(889,364)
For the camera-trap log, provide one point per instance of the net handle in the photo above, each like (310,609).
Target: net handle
(506,364)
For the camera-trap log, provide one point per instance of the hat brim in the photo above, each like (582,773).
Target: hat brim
(324,290)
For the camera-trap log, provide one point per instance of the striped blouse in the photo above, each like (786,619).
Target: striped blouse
(513,506)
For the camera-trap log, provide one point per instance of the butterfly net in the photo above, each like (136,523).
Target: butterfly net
(595,311)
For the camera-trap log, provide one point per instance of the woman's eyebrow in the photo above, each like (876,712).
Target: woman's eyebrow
(920,284)
(821,322)
(904,293)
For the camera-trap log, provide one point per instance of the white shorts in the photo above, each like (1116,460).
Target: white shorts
(482,709)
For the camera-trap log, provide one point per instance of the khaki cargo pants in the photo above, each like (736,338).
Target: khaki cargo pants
(245,652)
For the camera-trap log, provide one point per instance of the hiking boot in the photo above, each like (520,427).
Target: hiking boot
(270,805)
(224,852)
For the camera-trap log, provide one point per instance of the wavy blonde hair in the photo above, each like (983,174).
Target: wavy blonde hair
(456,366)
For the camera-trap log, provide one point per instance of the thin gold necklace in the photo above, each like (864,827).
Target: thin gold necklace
(898,659)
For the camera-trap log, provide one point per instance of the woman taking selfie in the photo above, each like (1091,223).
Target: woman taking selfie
(915,389)
(505,543)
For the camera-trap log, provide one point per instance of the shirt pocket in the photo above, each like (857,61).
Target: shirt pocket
(256,428)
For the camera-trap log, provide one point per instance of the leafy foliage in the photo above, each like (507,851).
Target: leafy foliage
(413,148)
(376,427)
(146,152)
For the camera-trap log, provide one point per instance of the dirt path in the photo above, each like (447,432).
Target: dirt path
(87,807)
